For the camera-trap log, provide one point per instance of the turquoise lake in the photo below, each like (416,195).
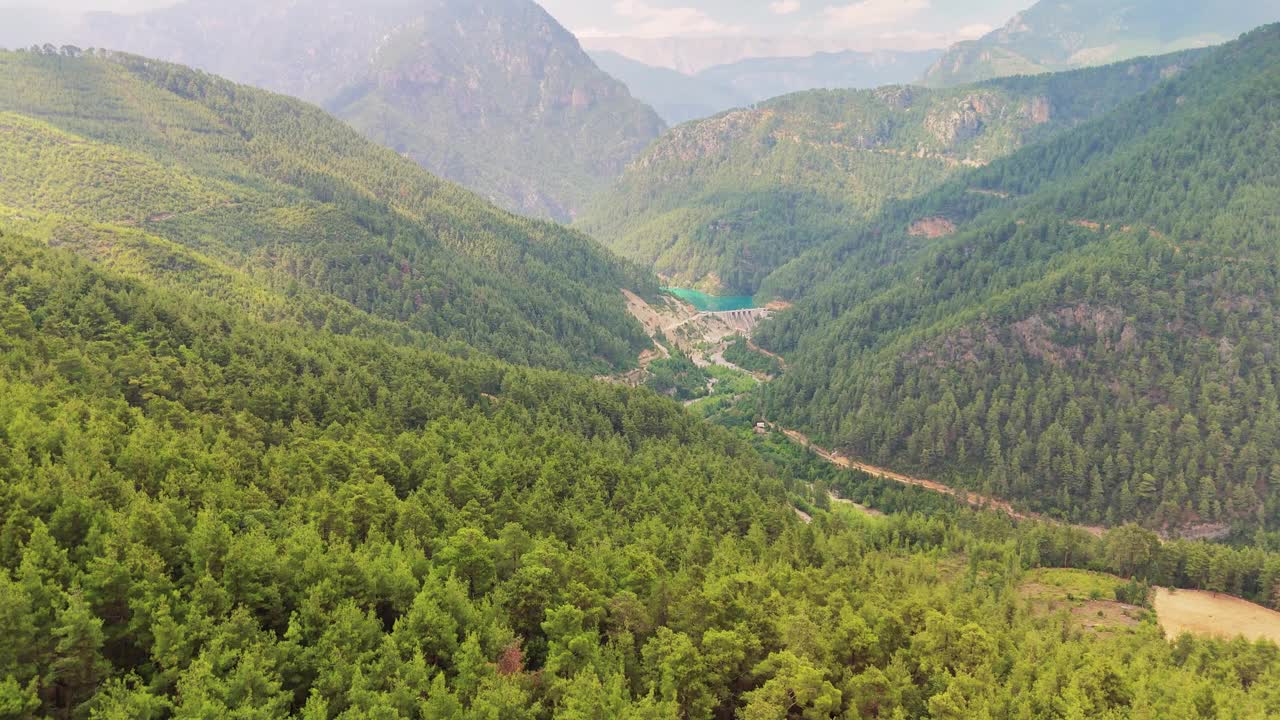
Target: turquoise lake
(713,303)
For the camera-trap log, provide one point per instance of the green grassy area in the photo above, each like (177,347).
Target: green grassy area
(1076,584)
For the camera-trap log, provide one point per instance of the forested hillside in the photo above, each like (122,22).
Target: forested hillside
(276,187)
(723,202)
(210,514)
(492,94)
(1056,35)
(1095,339)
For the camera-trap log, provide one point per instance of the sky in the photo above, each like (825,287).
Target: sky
(917,22)
(78,6)
(765,18)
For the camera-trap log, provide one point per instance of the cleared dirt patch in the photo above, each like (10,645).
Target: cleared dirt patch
(1087,596)
(932,228)
(1206,613)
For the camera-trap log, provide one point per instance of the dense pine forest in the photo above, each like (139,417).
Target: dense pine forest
(206,514)
(1095,339)
(273,185)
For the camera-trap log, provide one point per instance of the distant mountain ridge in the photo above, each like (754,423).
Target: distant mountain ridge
(692,55)
(764,78)
(493,94)
(1056,35)
(676,97)
(679,97)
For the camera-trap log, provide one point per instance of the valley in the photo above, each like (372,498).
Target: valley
(677,327)
(733,204)
(418,371)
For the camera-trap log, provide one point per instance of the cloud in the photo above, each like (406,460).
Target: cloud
(872,13)
(975,31)
(645,20)
(784,7)
(927,40)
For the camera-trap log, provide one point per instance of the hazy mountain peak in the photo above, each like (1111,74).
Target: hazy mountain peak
(494,94)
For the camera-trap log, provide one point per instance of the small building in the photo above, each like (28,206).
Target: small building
(762,429)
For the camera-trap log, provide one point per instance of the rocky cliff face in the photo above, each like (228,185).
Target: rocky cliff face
(493,94)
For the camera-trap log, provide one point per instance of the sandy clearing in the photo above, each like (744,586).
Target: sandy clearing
(1207,613)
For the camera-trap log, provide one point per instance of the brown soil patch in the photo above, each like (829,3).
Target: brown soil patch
(655,318)
(781,362)
(932,228)
(1096,615)
(1214,614)
(777,305)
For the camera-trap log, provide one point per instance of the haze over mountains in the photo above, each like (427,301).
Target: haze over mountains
(495,95)
(690,56)
(1060,35)
(1052,35)
(678,97)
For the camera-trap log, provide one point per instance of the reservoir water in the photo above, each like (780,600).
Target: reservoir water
(713,303)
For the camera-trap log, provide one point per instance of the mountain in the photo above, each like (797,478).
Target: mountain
(764,78)
(675,96)
(1088,332)
(692,55)
(494,94)
(678,97)
(1058,35)
(721,203)
(274,186)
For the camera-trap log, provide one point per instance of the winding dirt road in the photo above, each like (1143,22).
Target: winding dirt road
(973,499)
